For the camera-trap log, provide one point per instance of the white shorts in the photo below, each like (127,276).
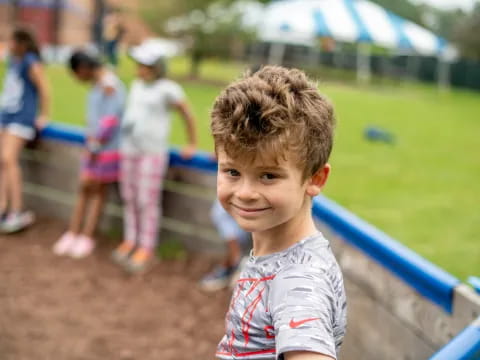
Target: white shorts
(226,226)
(22,131)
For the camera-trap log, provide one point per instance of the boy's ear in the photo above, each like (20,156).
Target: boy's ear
(318,180)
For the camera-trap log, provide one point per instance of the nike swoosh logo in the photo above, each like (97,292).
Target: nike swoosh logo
(294,324)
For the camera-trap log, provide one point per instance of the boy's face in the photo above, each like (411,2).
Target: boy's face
(265,194)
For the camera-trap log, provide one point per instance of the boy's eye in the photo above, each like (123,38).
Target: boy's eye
(232,172)
(269,176)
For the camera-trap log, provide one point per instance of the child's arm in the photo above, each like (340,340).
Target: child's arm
(305,355)
(307,307)
(186,113)
(37,76)
(108,123)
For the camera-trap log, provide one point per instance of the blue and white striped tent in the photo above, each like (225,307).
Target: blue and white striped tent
(353,21)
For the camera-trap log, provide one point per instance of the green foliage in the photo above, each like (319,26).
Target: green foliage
(403,8)
(210,28)
(467,35)
(171,249)
(444,23)
(156,13)
(215,31)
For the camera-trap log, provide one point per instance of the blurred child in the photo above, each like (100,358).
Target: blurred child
(24,108)
(273,134)
(101,163)
(144,148)
(234,236)
(113,31)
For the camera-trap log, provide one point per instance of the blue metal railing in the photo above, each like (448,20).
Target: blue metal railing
(75,135)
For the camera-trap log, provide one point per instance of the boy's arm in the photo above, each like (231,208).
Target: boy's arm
(37,76)
(305,355)
(306,312)
(183,108)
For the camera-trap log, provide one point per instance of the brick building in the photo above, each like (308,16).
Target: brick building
(68,22)
(53,21)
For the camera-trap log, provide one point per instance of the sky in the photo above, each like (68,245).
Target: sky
(448,4)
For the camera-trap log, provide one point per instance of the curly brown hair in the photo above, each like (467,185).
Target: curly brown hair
(278,112)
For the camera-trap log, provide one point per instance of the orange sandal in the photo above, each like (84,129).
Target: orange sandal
(140,261)
(121,254)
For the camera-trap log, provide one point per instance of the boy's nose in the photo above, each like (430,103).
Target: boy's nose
(246,192)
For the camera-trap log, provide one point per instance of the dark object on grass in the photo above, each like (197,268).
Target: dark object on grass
(373,133)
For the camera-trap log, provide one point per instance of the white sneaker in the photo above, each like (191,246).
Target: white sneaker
(82,247)
(64,244)
(17,221)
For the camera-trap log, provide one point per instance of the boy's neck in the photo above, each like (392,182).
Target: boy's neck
(285,235)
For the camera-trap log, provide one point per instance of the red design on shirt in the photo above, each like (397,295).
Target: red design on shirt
(260,352)
(247,316)
(269,334)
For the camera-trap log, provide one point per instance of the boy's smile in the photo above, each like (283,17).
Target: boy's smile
(247,211)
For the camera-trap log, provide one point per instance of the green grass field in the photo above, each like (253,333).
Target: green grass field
(423,191)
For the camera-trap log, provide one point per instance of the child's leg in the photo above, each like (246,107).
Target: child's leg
(128,186)
(12,145)
(3,180)
(67,243)
(80,207)
(234,252)
(149,184)
(228,229)
(152,169)
(3,192)
(84,243)
(96,203)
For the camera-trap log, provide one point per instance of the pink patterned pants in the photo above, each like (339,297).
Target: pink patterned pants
(141,180)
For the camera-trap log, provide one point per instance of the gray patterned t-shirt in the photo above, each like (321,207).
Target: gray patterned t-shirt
(293,300)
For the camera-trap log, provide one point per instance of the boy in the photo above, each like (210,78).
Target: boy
(273,135)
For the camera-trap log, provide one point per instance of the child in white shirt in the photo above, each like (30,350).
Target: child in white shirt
(144,153)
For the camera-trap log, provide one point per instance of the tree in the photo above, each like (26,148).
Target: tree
(466,35)
(217,31)
(156,13)
(403,8)
(442,22)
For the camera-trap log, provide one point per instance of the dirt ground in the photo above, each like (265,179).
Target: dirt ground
(57,308)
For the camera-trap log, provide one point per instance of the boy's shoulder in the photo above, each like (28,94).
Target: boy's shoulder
(310,258)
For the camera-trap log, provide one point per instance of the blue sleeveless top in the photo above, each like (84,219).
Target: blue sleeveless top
(19,100)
